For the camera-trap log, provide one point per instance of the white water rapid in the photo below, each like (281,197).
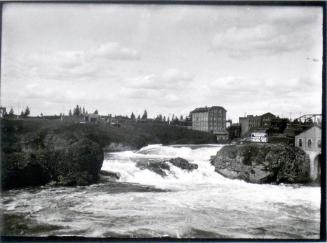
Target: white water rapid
(196,204)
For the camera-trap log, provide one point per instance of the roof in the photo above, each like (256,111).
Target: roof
(221,133)
(268,113)
(309,129)
(206,109)
(92,115)
(259,130)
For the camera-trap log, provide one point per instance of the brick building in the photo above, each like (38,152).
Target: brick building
(210,119)
(251,122)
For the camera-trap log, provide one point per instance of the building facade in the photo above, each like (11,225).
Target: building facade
(92,118)
(251,122)
(310,142)
(259,136)
(210,119)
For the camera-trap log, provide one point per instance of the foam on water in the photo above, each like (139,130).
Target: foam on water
(204,176)
(200,203)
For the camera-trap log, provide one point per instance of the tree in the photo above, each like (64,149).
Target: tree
(70,112)
(11,113)
(145,115)
(181,118)
(138,117)
(164,119)
(76,111)
(83,112)
(96,112)
(159,118)
(26,112)
(132,116)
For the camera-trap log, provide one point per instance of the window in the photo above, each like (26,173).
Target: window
(300,142)
(309,143)
(319,143)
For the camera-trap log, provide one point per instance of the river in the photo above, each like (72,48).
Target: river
(196,204)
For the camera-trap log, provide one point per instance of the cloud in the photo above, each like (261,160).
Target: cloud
(278,33)
(170,80)
(115,51)
(171,87)
(259,40)
(70,65)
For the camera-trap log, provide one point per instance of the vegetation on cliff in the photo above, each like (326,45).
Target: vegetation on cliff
(263,163)
(36,152)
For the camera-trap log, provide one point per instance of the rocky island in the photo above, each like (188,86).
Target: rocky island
(262,163)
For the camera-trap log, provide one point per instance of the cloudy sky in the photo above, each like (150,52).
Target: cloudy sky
(166,59)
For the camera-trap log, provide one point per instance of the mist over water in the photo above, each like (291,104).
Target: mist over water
(196,204)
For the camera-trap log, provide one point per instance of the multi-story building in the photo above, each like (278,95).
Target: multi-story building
(266,119)
(252,122)
(210,119)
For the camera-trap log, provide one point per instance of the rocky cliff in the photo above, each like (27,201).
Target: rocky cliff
(262,163)
(32,157)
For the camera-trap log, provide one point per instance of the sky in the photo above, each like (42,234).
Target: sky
(167,59)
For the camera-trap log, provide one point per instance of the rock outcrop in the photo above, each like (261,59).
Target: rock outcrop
(33,157)
(106,176)
(262,163)
(183,164)
(161,167)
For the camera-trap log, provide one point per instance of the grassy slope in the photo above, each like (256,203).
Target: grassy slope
(135,134)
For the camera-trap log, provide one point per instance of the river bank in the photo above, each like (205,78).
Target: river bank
(38,152)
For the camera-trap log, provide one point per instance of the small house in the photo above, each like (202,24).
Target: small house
(310,142)
(92,118)
(259,136)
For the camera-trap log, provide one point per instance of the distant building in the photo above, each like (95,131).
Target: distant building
(266,119)
(234,131)
(248,123)
(310,142)
(251,122)
(210,119)
(2,112)
(92,118)
(259,136)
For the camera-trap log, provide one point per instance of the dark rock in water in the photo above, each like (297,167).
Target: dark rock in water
(40,156)
(108,176)
(263,163)
(183,164)
(123,187)
(159,167)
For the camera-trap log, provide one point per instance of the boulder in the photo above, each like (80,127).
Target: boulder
(183,164)
(262,163)
(108,176)
(159,167)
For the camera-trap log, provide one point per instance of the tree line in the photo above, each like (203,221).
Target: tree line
(23,114)
(79,111)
